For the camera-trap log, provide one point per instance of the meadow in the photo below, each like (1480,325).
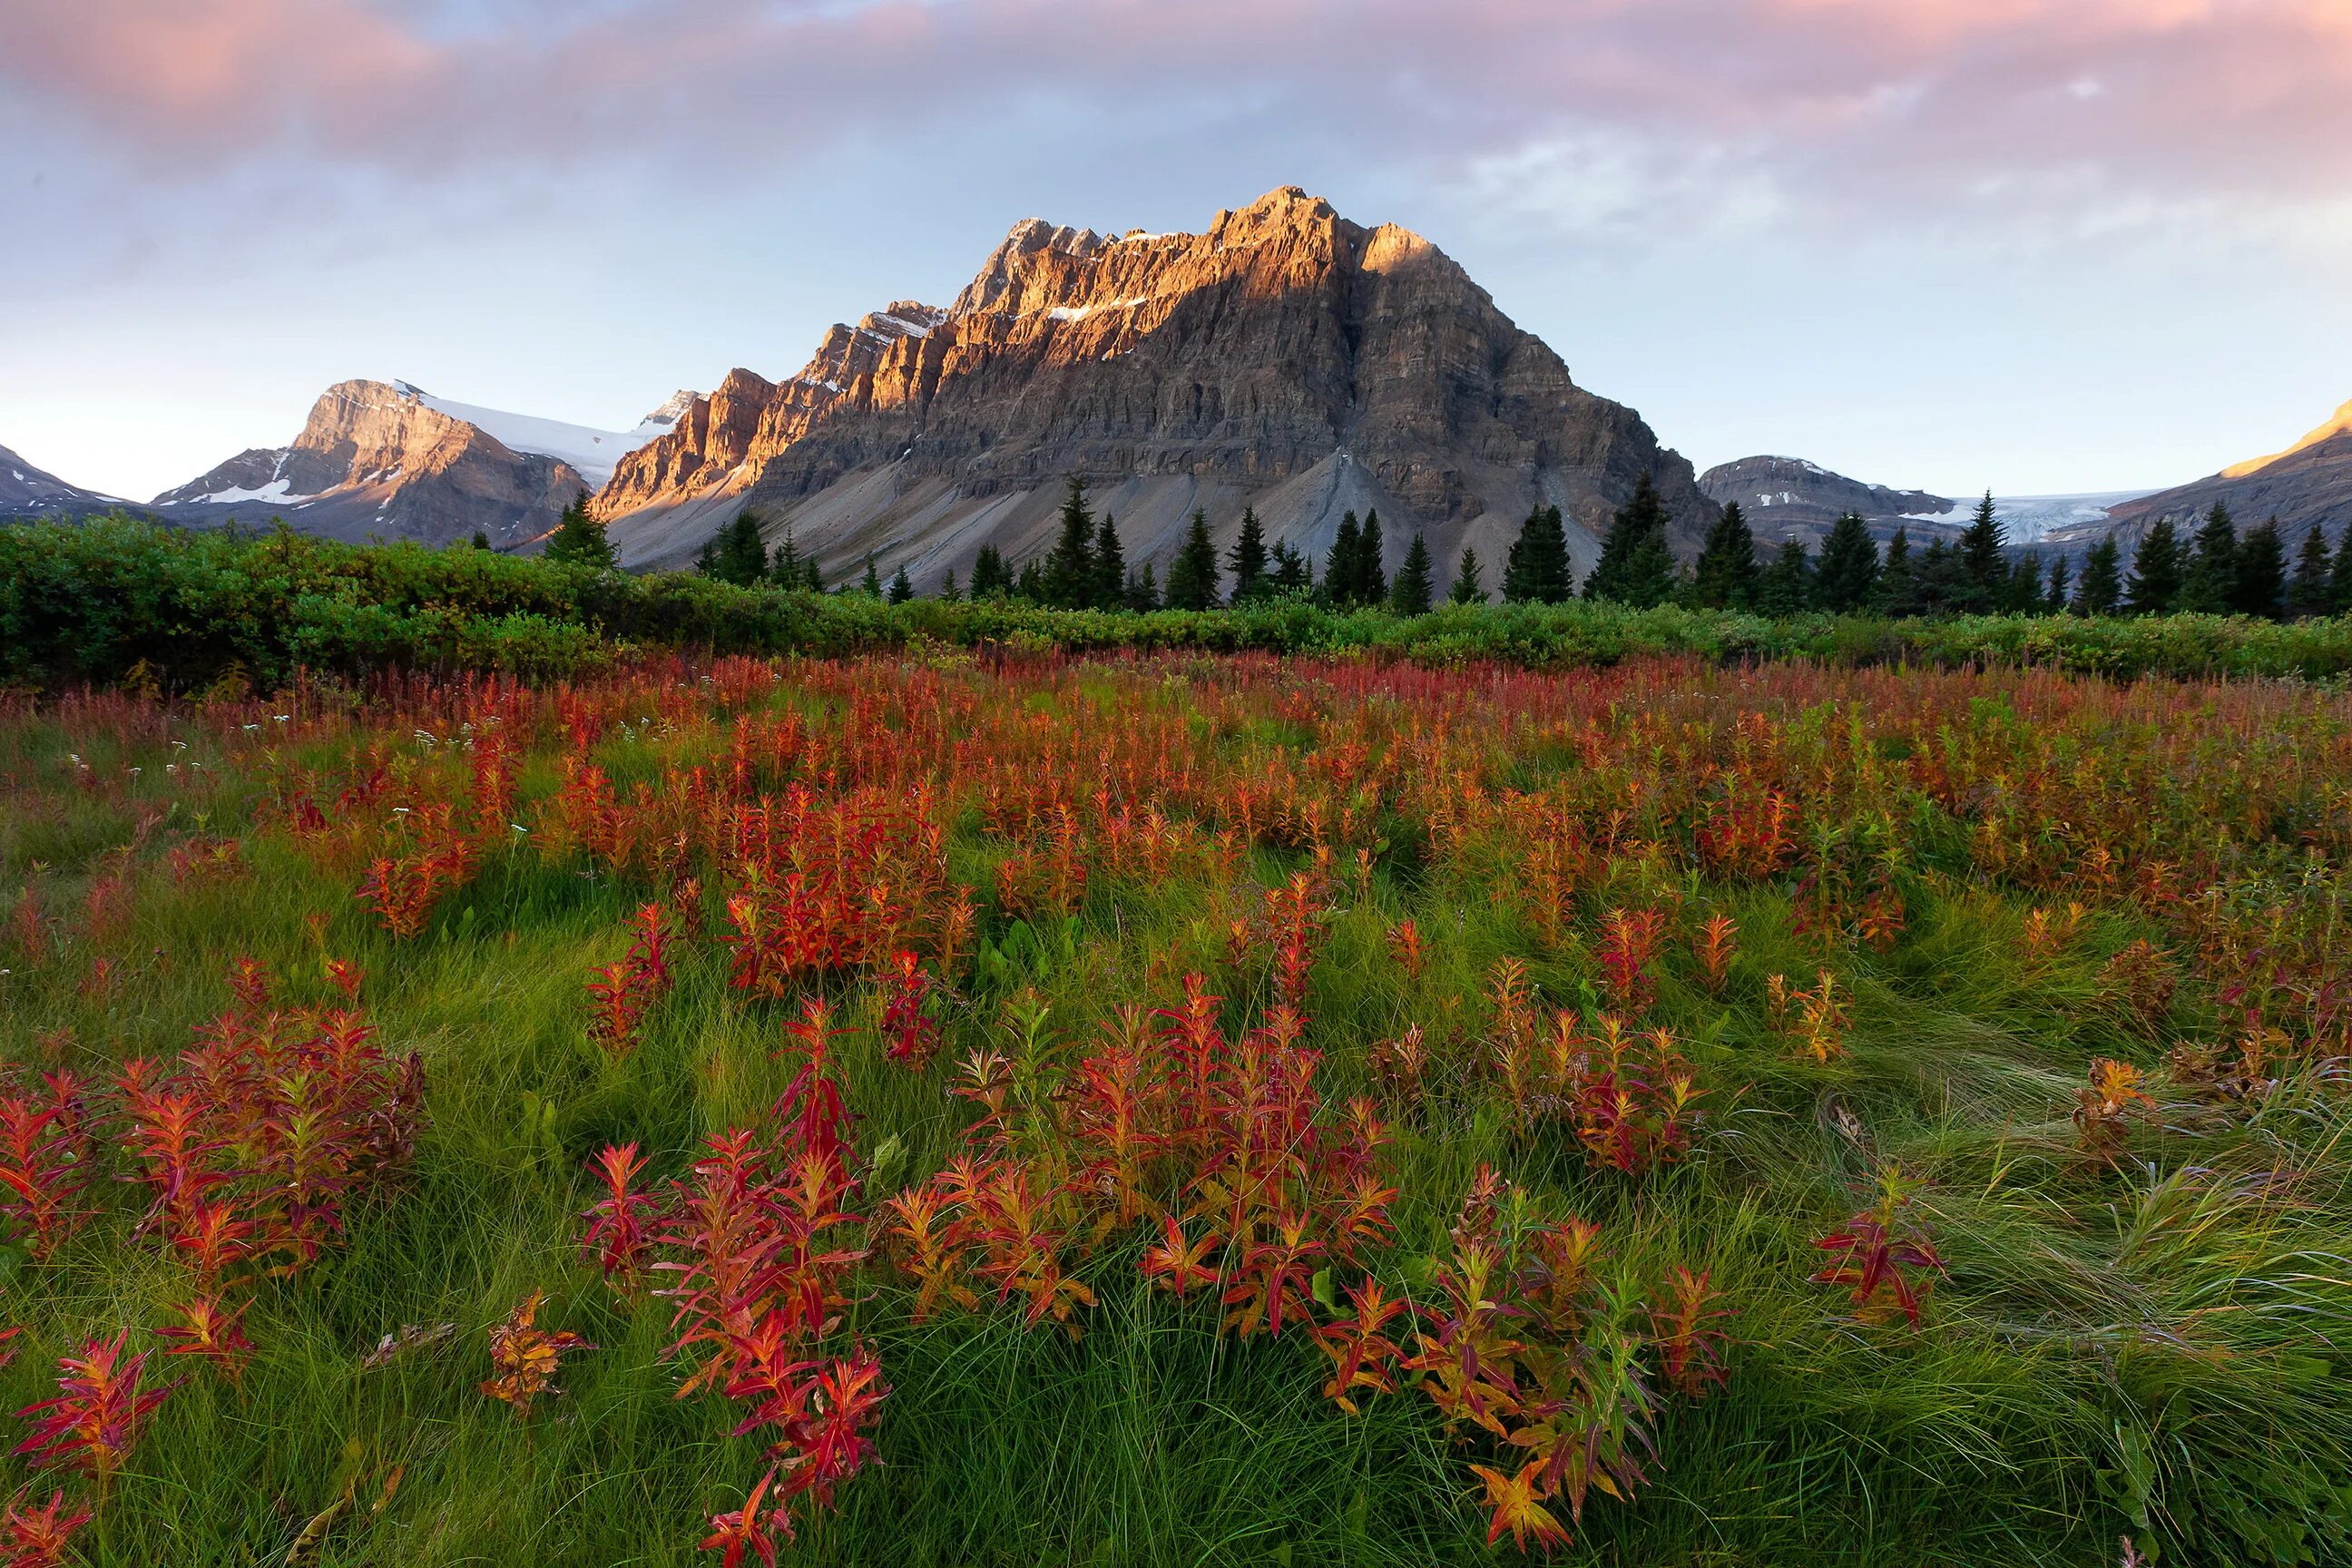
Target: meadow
(1152,1106)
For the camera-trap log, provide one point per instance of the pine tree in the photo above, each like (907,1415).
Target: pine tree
(989,578)
(736,553)
(1143,592)
(1847,580)
(579,540)
(1110,567)
(812,578)
(2054,600)
(1248,560)
(1411,594)
(1468,586)
(1372,571)
(1898,580)
(1192,575)
(1070,565)
(1982,570)
(872,584)
(2156,570)
(2340,581)
(1635,566)
(2209,582)
(784,567)
(1787,585)
(2258,572)
(482,540)
(2314,590)
(949,594)
(2101,591)
(2020,590)
(1725,576)
(1292,574)
(1942,579)
(1537,569)
(1339,566)
(902,588)
(1029,585)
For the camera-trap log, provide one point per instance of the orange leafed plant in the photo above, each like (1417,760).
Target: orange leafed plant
(527,1357)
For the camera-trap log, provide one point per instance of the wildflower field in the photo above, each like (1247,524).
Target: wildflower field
(1162,1106)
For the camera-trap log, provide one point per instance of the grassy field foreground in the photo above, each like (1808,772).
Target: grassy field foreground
(1693,1115)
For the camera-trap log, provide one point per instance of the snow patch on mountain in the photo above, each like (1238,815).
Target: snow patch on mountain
(591,451)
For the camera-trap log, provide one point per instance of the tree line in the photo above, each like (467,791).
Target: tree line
(2214,569)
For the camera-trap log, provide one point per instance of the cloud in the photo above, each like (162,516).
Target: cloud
(2019,109)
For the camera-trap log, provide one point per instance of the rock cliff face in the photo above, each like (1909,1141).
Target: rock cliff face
(1284,359)
(2310,482)
(375,460)
(27,492)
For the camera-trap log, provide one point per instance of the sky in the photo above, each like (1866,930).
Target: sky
(2037,246)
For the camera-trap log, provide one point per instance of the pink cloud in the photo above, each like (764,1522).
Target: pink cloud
(2166,99)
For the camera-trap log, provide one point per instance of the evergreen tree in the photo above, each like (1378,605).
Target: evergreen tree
(1192,575)
(1339,566)
(1847,583)
(2208,583)
(1030,584)
(736,554)
(1982,569)
(1537,569)
(785,567)
(1726,573)
(1143,592)
(1372,571)
(2314,591)
(1468,588)
(2101,591)
(1248,560)
(482,540)
(1635,566)
(1786,588)
(2340,583)
(1898,579)
(872,584)
(1110,567)
(2021,592)
(989,578)
(579,540)
(2157,572)
(902,588)
(1070,566)
(2053,602)
(1292,571)
(1411,594)
(2258,572)
(811,577)
(948,592)
(1942,579)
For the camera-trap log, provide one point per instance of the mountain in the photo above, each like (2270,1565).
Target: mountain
(1284,359)
(592,452)
(2310,482)
(1789,497)
(380,458)
(26,493)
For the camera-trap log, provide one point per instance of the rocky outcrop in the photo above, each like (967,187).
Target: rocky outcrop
(1284,359)
(2309,484)
(1789,497)
(375,460)
(27,492)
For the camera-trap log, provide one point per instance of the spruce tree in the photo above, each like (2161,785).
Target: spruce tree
(737,553)
(1942,578)
(1248,560)
(1982,572)
(989,579)
(2020,590)
(1372,571)
(785,567)
(1847,582)
(2054,600)
(1411,594)
(2314,590)
(1110,567)
(579,540)
(1898,579)
(2258,572)
(811,577)
(2209,582)
(949,594)
(1725,576)
(1143,592)
(482,540)
(1192,575)
(872,584)
(1537,569)
(1786,588)
(2101,591)
(1070,565)
(2340,581)
(902,588)
(1469,588)
(1029,585)
(1635,566)
(1340,566)
(2156,570)
(1292,571)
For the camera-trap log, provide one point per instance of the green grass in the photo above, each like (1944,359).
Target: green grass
(2149,1350)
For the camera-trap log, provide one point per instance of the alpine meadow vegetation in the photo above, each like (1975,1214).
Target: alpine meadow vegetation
(1147,1104)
